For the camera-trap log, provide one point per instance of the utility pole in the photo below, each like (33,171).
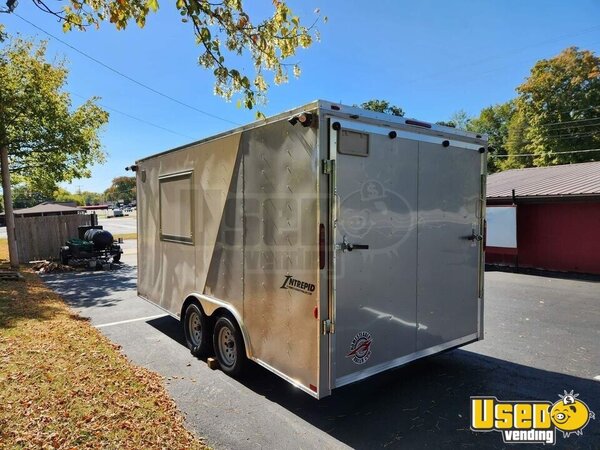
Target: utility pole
(8,208)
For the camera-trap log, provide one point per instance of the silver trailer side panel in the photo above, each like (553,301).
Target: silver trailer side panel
(250,200)
(168,269)
(281,265)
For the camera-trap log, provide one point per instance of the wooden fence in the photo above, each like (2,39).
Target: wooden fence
(42,237)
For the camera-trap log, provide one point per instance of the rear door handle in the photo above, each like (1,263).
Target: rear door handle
(351,247)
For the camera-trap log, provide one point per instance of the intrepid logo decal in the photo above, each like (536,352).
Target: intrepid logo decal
(297,285)
(360,348)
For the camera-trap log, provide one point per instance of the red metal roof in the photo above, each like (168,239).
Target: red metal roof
(554,181)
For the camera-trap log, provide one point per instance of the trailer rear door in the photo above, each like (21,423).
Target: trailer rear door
(376,235)
(406,215)
(449,244)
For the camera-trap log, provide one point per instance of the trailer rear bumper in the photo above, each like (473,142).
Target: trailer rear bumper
(357,376)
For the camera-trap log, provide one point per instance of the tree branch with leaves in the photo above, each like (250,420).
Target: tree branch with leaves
(223,30)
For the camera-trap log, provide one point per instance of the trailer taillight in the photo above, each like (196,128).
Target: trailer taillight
(321,246)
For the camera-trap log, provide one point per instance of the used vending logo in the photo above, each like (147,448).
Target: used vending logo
(527,422)
(297,285)
(360,349)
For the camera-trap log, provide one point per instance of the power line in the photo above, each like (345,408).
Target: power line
(572,121)
(556,138)
(127,77)
(546,154)
(137,118)
(558,129)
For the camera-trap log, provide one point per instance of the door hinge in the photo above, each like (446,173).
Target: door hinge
(328,166)
(328,327)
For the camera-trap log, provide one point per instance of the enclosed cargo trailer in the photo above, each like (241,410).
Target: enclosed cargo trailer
(326,244)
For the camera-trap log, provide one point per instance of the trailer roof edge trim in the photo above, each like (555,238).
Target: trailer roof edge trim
(344,111)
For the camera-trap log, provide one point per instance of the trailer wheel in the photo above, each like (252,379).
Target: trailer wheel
(196,330)
(229,346)
(116,258)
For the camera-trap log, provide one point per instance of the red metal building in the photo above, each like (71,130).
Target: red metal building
(556,218)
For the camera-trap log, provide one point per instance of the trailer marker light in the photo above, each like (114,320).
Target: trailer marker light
(417,123)
(305,119)
(316,312)
(312,387)
(446,144)
(392,134)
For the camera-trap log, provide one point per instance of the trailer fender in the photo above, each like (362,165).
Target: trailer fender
(212,304)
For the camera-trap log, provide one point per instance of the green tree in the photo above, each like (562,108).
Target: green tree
(91,198)
(122,188)
(382,106)
(558,111)
(494,121)
(63,196)
(43,139)
(223,30)
(460,119)
(23,197)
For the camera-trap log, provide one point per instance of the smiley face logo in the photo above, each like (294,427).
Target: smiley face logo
(570,415)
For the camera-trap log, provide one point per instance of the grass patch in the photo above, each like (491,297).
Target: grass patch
(64,385)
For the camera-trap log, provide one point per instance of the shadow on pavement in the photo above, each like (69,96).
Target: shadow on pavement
(93,288)
(422,405)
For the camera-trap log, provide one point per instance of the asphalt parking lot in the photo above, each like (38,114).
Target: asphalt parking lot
(542,337)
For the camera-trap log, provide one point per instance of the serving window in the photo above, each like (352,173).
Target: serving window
(177,207)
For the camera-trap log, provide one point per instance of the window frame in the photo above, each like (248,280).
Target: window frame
(177,176)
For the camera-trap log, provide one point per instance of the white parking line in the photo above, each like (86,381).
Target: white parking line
(130,320)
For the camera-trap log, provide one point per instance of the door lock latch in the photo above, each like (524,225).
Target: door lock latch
(474,237)
(346,246)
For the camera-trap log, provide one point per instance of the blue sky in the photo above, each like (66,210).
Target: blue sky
(432,58)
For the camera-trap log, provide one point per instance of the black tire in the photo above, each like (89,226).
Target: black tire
(229,347)
(64,256)
(197,331)
(117,258)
